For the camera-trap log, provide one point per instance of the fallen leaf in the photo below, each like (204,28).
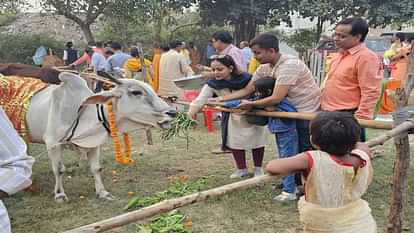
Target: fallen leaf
(188,222)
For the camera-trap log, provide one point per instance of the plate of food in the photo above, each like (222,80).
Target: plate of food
(190,83)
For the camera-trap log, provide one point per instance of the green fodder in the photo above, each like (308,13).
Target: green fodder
(180,127)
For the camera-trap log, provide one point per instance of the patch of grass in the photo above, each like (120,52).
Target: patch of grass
(171,222)
(240,212)
(179,187)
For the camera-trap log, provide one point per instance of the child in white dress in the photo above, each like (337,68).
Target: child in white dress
(337,174)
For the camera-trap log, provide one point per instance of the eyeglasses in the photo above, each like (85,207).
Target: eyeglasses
(218,56)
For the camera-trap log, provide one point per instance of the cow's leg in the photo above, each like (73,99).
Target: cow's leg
(93,157)
(55,156)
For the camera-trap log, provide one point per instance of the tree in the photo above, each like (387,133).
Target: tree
(144,14)
(382,13)
(244,15)
(82,12)
(329,11)
(12,6)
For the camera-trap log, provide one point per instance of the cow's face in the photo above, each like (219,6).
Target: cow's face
(136,104)
(139,103)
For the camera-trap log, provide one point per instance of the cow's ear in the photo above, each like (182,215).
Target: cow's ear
(100,98)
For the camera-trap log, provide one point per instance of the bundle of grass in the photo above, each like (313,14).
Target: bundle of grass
(180,128)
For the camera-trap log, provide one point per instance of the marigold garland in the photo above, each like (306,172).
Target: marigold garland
(122,158)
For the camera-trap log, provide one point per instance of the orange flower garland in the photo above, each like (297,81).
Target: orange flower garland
(122,158)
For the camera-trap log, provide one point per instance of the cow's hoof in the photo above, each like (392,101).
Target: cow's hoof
(106,195)
(61,197)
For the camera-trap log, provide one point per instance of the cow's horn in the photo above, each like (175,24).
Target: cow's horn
(110,77)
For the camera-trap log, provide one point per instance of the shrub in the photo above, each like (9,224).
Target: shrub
(7,18)
(20,48)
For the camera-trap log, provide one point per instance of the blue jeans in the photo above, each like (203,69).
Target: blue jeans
(287,144)
(290,143)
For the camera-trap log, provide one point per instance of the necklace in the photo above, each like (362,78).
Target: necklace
(122,158)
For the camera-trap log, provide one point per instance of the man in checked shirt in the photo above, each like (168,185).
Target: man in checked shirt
(15,167)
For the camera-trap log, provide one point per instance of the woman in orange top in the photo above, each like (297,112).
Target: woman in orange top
(399,64)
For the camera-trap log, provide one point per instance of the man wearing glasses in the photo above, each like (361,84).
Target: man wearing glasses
(353,80)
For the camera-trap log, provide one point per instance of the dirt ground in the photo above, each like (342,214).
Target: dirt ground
(240,212)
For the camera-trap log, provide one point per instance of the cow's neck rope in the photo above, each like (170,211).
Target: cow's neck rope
(125,157)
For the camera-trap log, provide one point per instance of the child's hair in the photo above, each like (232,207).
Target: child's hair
(264,86)
(335,132)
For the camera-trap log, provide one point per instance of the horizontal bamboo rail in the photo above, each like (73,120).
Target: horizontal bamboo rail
(373,124)
(171,204)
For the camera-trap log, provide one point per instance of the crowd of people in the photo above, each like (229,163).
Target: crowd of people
(329,146)
(327,152)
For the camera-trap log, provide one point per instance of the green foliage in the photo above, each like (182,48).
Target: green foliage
(83,13)
(20,48)
(12,6)
(382,13)
(302,40)
(244,15)
(7,18)
(177,189)
(172,222)
(142,17)
(180,127)
(329,11)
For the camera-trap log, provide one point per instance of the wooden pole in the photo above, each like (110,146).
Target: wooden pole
(402,147)
(308,116)
(373,124)
(148,134)
(171,204)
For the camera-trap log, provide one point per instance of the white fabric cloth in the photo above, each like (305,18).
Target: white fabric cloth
(248,54)
(241,134)
(333,192)
(65,55)
(4,219)
(15,165)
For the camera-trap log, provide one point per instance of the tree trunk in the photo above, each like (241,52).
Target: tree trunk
(86,29)
(402,146)
(319,28)
(245,29)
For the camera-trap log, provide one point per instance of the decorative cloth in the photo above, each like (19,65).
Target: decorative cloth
(15,95)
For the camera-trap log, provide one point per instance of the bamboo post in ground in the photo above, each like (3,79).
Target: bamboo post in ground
(171,204)
(402,148)
(148,134)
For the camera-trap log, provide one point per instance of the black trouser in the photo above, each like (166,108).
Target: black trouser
(99,84)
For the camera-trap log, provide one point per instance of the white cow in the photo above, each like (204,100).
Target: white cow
(70,115)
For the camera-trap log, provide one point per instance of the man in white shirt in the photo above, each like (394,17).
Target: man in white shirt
(173,65)
(15,166)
